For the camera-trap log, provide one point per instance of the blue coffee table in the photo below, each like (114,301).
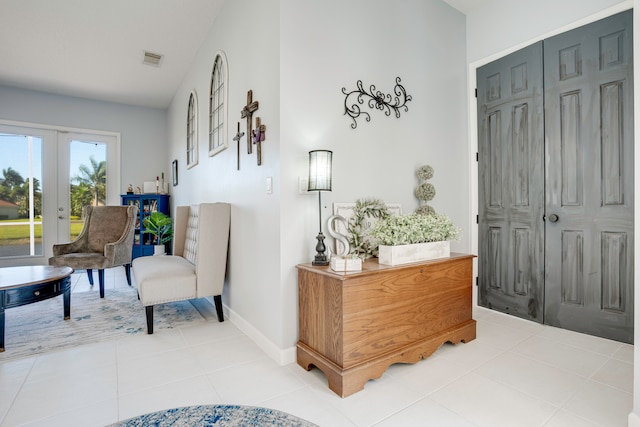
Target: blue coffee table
(28,284)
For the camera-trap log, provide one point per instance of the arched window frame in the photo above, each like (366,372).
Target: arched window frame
(192,130)
(218,105)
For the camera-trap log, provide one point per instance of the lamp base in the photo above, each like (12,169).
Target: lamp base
(321,257)
(320,260)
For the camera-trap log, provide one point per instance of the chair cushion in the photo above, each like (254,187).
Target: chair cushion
(162,279)
(106,226)
(80,261)
(191,235)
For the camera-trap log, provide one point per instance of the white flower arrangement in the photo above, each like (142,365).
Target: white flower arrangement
(414,228)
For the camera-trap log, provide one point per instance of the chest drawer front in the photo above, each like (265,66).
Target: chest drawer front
(389,311)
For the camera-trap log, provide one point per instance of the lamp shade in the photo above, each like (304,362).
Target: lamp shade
(320,170)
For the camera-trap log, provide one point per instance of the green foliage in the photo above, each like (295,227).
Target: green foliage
(89,190)
(414,228)
(159,225)
(425,191)
(93,178)
(81,195)
(15,189)
(19,234)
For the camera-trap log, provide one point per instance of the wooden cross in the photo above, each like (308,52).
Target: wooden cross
(257,136)
(237,138)
(247,112)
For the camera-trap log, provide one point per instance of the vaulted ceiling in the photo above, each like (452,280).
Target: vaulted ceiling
(94,48)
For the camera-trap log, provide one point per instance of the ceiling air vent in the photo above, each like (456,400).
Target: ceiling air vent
(151,58)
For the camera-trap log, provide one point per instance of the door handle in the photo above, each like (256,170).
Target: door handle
(554,218)
(60,217)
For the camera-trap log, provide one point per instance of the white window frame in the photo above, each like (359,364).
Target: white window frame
(192,130)
(55,182)
(218,105)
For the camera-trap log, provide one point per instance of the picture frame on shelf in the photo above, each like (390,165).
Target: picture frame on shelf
(149,187)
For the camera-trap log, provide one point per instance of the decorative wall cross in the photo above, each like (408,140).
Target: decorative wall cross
(237,138)
(258,135)
(247,112)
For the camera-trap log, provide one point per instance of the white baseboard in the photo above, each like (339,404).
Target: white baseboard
(634,420)
(280,356)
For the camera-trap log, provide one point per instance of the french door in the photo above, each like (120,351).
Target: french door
(555,145)
(46,177)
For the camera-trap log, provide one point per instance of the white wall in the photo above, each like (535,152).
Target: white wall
(490,36)
(143,130)
(248,33)
(297,56)
(328,45)
(500,25)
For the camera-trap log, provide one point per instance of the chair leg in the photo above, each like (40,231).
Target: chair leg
(149,310)
(90,274)
(1,329)
(101,281)
(218,300)
(127,271)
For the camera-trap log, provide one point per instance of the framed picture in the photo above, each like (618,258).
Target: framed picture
(174,172)
(347,211)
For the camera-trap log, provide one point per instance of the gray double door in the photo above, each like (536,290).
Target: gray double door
(555,161)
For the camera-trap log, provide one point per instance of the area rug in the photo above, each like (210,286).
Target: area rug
(216,415)
(39,327)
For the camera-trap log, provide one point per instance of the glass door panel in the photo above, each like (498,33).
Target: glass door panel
(87,180)
(20,195)
(85,163)
(46,177)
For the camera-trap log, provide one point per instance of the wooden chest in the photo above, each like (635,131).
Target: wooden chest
(354,325)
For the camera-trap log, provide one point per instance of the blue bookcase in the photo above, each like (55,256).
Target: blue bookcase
(143,243)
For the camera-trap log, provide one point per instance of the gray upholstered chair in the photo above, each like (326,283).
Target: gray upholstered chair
(106,241)
(198,265)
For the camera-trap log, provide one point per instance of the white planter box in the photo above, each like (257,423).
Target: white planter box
(405,254)
(158,250)
(346,264)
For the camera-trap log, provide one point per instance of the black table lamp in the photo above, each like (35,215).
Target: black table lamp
(320,180)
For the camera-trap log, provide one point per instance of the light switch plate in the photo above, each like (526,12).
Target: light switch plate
(269,185)
(303,185)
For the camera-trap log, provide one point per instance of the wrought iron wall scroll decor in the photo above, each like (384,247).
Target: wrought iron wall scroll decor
(379,100)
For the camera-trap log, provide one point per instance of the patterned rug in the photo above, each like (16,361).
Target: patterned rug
(39,327)
(218,416)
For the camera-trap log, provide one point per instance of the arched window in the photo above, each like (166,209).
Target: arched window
(192,131)
(218,105)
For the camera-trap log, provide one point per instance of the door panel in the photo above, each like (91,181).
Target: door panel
(26,185)
(82,178)
(575,269)
(589,137)
(57,156)
(511,184)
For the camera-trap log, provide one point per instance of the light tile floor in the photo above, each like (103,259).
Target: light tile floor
(515,373)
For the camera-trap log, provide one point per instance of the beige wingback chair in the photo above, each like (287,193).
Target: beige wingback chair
(198,265)
(106,241)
